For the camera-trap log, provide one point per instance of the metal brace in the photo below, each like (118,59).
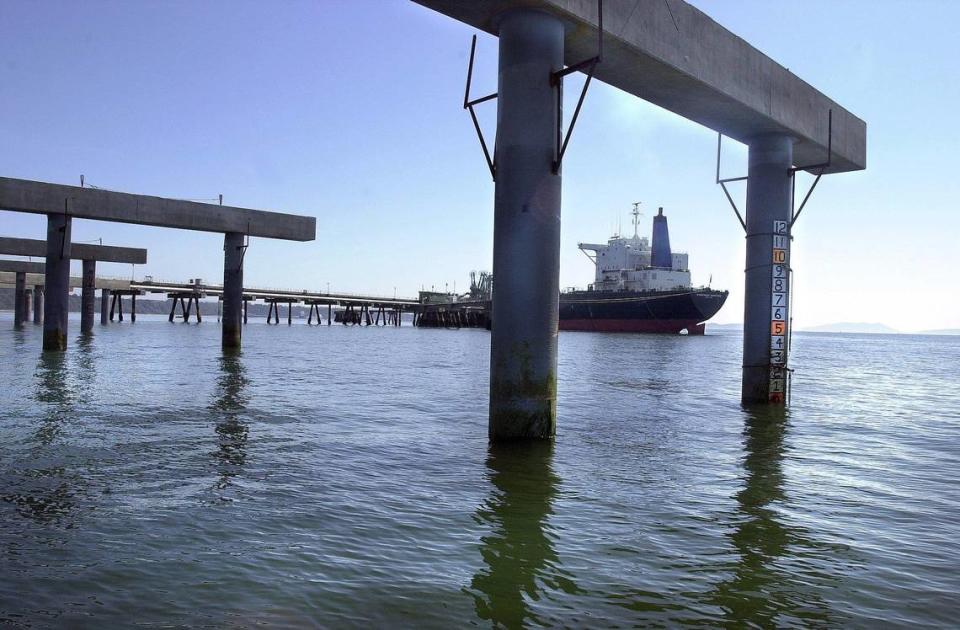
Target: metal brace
(556,79)
(723,184)
(468,105)
(63,230)
(243,248)
(822,167)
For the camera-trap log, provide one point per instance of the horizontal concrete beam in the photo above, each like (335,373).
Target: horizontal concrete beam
(677,57)
(34,279)
(21,266)
(22,195)
(78,251)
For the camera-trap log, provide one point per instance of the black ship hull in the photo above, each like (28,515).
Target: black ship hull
(644,311)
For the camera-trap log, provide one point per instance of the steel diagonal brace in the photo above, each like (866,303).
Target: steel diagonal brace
(723,184)
(556,79)
(468,105)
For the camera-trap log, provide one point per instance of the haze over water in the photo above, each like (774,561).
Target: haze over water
(342,477)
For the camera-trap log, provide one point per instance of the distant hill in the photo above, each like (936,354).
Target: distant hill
(853,327)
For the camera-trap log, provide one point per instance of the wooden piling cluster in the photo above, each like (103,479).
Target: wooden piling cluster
(116,304)
(360,315)
(187,301)
(273,311)
(465,315)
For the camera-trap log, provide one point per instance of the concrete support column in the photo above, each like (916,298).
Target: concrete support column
(767,274)
(104,307)
(232,289)
(19,298)
(526,233)
(38,304)
(57,282)
(88,295)
(27,298)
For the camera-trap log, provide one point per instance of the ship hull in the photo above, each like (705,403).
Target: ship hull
(668,312)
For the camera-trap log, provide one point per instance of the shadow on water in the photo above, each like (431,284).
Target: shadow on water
(521,564)
(232,432)
(767,588)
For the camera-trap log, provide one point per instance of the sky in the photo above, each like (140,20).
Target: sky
(350,111)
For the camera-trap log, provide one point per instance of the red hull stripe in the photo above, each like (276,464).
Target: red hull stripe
(672,326)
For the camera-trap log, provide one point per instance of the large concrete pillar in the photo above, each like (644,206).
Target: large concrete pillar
(57,282)
(88,295)
(19,298)
(27,298)
(767,274)
(526,233)
(231,326)
(38,304)
(104,307)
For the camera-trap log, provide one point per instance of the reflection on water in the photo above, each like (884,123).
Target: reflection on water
(761,590)
(520,561)
(54,392)
(232,432)
(46,492)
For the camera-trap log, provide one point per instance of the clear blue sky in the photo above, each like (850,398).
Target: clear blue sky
(350,111)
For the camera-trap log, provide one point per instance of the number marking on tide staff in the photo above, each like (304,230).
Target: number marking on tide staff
(779,310)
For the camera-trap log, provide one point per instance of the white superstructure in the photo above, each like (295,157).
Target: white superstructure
(624,264)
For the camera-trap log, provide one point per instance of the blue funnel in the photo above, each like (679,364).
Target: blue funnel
(660,248)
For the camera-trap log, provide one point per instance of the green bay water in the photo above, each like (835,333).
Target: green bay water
(341,477)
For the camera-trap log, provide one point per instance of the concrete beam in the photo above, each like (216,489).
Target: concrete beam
(78,251)
(22,266)
(23,195)
(675,56)
(33,279)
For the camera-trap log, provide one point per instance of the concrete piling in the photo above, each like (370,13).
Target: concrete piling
(19,298)
(88,295)
(38,304)
(526,242)
(231,326)
(104,307)
(57,282)
(27,299)
(767,272)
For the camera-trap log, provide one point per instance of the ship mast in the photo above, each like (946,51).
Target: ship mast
(636,216)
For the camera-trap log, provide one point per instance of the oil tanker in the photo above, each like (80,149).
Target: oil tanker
(640,286)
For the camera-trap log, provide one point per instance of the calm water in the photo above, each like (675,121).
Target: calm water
(341,477)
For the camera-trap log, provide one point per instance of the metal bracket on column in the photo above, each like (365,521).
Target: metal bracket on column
(243,248)
(63,230)
(556,79)
(468,105)
(823,166)
(723,184)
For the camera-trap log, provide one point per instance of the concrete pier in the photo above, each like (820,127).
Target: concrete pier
(27,298)
(38,304)
(767,275)
(57,282)
(88,296)
(104,307)
(526,241)
(233,311)
(19,299)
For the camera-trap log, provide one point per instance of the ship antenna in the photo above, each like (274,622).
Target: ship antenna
(636,216)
